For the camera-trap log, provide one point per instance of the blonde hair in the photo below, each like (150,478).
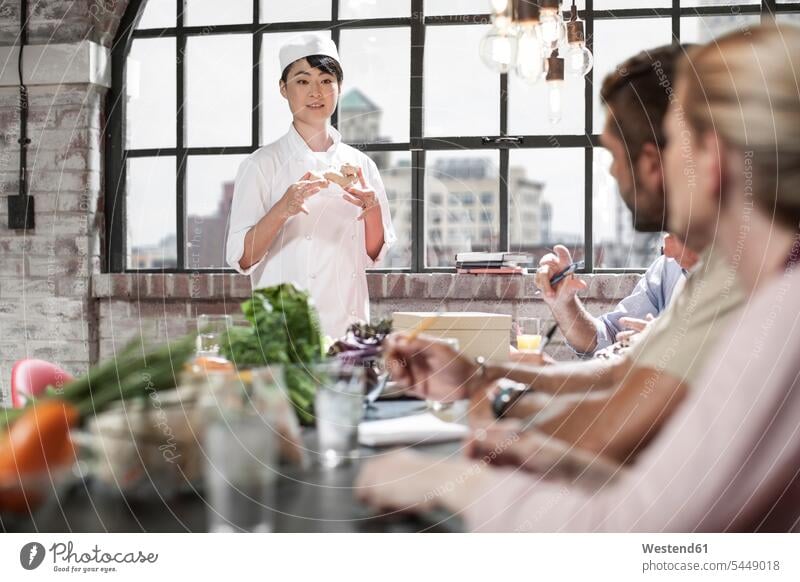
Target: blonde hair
(745,86)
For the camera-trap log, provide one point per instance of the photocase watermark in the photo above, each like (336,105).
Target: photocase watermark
(99,9)
(195,258)
(541,511)
(31,555)
(169,449)
(776,308)
(473,469)
(686,135)
(65,558)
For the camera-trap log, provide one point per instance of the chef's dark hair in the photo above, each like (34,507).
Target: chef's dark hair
(321,62)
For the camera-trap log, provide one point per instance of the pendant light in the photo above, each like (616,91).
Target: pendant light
(529,37)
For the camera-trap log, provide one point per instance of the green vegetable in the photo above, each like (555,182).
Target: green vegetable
(285,330)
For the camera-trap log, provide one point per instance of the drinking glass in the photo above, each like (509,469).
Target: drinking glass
(241,448)
(339,407)
(210,329)
(529,334)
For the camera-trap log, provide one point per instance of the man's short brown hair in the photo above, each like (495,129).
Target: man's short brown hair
(637,95)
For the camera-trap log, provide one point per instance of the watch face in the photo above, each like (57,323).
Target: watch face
(501,402)
(509,392)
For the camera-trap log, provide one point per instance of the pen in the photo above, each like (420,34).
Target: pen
(546,339)
(567,272)
(560,276)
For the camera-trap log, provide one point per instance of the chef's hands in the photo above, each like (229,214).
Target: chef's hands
(364,196)
(294,199)
(549,266)
(430,369)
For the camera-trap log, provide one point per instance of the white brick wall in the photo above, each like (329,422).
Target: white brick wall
(45,275)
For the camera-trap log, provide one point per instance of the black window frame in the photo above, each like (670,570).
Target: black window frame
(115,260)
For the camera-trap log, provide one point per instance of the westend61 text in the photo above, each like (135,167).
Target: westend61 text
(670,549)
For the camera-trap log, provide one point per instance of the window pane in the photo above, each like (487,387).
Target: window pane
(448,7)
(216,117)
(789,18)
(158,14)
(616,244)
(528,108)
(726,3)
(462,96)
(546,199)
(701,29)
(395,169)
(209,193)
(375,103)
(615,41)
(298,10)
(150,87)
(451,7)
(617,4)
(150,208)
(202,12)
(461,204)
(374,8)
(274,110)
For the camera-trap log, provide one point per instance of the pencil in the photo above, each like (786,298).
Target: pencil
(422,326)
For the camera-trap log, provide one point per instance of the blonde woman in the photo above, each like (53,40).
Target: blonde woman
(727,459)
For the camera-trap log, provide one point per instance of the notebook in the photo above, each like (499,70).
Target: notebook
(409,430)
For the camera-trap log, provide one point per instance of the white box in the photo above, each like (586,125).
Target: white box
(478,334)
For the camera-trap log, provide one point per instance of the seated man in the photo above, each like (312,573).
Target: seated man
(587,334)
(611,407)
(728,458)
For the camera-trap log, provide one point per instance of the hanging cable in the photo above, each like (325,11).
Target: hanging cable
(20,207)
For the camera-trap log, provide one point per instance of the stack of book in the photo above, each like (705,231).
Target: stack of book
(484,263)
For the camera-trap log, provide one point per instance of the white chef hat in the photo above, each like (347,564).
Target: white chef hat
(305,45)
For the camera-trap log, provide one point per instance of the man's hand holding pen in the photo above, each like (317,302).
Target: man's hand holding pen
(550,267)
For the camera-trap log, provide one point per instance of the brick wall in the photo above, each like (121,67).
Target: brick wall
(46,310)
(165,306)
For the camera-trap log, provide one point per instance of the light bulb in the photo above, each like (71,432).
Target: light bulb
(551,28)
(554,109)
(499,6)
(549,8)
(499,49)
(579,60)
(530,58)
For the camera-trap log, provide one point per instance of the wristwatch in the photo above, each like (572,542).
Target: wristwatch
(507,395)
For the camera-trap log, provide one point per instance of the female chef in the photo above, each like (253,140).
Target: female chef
(294,218)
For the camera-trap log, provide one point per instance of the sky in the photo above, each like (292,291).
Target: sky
(461,96)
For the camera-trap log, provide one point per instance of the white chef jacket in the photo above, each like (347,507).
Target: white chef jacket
(323,252)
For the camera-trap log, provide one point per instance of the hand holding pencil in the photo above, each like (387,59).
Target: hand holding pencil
(427,367)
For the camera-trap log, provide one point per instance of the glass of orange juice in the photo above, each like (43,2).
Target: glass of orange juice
(529,334)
